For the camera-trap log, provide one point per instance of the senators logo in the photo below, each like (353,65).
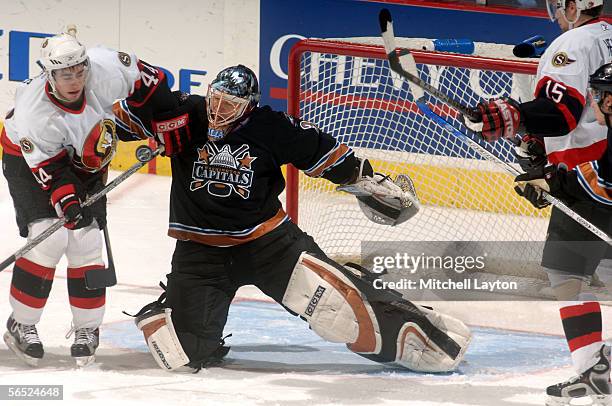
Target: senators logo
(26,146)
(124,58)
(561,59)
(223,171)
(99,147)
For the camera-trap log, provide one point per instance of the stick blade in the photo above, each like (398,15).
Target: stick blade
(100,278)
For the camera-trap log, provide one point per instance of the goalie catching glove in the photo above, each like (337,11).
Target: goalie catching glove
(382,200)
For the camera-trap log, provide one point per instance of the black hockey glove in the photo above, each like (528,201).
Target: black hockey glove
(531,186)
(556,181)
(530,153)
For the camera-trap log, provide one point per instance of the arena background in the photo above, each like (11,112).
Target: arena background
(194,40)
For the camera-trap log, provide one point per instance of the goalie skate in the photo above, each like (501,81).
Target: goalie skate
(594,383)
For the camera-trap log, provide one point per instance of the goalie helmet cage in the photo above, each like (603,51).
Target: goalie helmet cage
(347,89)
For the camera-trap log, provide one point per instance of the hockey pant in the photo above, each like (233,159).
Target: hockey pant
(34,272)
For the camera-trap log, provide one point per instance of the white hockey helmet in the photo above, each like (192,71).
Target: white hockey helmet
(553,5)
(62,51)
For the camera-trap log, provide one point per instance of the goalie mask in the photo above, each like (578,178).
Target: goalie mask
(60,52)
(554,6)
(231,96)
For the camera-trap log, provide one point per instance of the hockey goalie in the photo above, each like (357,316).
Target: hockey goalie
(226,154)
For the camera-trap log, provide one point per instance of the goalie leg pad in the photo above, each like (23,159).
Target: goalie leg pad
(417,349)
(332,305)
(161,338)
(380,325)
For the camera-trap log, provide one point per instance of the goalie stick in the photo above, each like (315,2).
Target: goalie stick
(403,64)
(144,154)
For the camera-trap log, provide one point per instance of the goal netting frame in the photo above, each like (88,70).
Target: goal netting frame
(465,198)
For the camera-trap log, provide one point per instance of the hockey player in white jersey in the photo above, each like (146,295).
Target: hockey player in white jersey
(64,130)
(589,181)
(559,127)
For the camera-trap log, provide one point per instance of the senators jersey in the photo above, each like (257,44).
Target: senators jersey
(225,193)
(561,113)
(43,130)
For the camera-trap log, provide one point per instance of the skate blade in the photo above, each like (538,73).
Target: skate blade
(596,400)
(554,401)
(10,342)
(601,400)
(82,362)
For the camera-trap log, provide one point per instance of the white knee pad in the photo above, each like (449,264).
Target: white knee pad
(84,246)
(332,305)
(49,251)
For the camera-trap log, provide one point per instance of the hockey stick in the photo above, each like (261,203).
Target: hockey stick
(143,153)
(106,277)
(401,63)
(405,66)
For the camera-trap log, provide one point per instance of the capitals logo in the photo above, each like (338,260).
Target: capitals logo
(223,171)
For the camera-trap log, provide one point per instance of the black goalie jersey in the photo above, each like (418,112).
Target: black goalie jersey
(225,193)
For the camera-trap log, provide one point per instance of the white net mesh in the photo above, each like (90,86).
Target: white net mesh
(465,198)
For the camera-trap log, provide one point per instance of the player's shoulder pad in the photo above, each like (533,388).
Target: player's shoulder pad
(573,42)
(108,60)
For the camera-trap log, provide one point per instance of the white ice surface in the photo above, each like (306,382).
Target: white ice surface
(275,359)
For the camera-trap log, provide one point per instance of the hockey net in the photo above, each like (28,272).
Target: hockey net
(347,89)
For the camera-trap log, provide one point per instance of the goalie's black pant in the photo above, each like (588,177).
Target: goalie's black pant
(204,280)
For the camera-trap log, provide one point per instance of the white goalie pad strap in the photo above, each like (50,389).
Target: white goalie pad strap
(416,351)
(332,305)
(162,340)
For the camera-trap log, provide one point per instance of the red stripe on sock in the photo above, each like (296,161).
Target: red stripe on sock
(35,269)
(579,310)
(26,299)
(88,303)
(584,340)
(79,273)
